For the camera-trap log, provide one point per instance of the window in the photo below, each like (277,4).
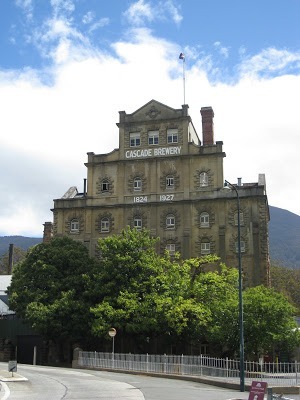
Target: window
(205,248)
(170,247)
(135,139)
(204,220)
(137,184)
(153,137)
(243,247)
(105,185)
(172,136)
(170,221)
(203,179)
(236,218)
(104,225)
(74,225)
(137,223)
(170,182)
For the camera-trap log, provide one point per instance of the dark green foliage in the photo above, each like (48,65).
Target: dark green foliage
(287,281)
(50,289)
(65,295)
(269,322)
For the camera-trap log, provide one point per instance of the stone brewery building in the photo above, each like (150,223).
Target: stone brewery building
(165,179)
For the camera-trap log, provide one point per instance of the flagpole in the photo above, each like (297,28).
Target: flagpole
(182,57)
(183,74)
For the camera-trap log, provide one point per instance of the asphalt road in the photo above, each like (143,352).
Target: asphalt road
(49,383)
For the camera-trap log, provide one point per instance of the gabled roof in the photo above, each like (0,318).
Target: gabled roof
(153,110)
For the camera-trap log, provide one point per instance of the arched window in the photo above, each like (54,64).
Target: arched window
(203,179)
(137,184)
(204,220)
(171,248)
(205,248)
(169,182)
(104,226)
(170,221)
(236,218)
(138,223)
(105,185)
(74,225)
(243,247)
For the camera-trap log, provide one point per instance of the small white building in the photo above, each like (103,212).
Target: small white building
(4,309)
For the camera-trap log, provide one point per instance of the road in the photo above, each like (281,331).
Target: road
(49,383)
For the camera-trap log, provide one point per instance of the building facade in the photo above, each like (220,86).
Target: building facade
(165,179)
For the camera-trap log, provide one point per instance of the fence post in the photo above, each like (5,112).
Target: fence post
(201,365)
(296,372)
(227,368)
(182,365)
(269,393)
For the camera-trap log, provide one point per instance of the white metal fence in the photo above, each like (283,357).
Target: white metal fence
(276,374)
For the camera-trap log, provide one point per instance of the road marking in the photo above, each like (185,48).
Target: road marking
(6,390)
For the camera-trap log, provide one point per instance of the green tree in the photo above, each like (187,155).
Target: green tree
(124,286)
(145,295)
(50,289)
(287,281)
(269,322)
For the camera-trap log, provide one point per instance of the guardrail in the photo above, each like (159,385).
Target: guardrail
(276,374)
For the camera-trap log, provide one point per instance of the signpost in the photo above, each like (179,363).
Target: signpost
(12,366)
(258,390)
(112,333)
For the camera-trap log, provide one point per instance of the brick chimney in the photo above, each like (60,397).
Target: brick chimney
(48,231)
(207,114)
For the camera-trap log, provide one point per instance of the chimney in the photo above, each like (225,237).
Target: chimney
(48,231)
(84,187)
(10,258)
(207,126)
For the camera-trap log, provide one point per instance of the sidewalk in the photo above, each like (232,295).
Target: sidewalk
(6,376)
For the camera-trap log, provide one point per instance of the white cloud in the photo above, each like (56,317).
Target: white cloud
(269,61)
(142,12)
(139,12)
(88,17)
(27,8)
(224,51)
(174,12)
(99,24)
(62,6)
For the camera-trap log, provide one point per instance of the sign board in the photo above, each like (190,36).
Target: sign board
(258,390)
(12,366)
(112,332)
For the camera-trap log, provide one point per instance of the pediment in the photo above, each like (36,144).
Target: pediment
(153,111)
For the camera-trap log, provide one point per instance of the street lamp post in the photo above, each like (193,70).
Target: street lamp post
(241,316)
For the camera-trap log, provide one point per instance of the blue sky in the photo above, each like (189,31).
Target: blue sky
(68,66)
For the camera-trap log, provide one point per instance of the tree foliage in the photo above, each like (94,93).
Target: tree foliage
(50,289)
(269,323)
(287,282)
(63,294)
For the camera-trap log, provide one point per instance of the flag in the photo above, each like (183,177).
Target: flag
(181,56)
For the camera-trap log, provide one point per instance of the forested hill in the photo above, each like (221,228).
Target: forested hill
(19,241)
(284,231)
